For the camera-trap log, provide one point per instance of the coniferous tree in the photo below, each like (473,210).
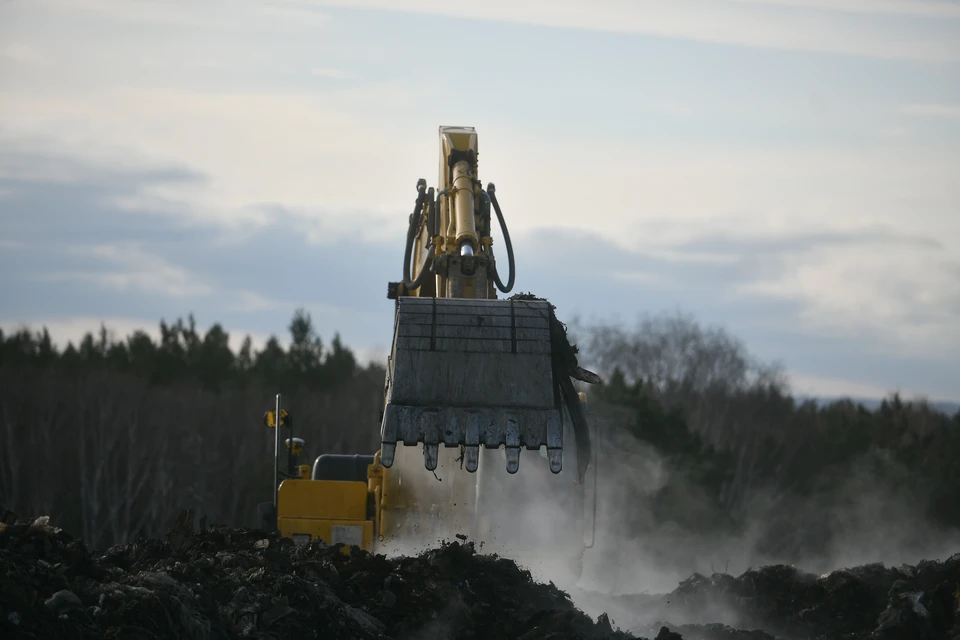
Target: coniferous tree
(306,347)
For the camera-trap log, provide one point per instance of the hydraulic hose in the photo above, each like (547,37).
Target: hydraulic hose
(435,214)
(408,282)
(492,192)
(485,211)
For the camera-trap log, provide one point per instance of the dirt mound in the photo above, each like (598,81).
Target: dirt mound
(872,602)
(229,583)
(238,583)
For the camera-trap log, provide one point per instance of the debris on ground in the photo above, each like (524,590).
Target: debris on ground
(240,583)
(224,583)
(869,602)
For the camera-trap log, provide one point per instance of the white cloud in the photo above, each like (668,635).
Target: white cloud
(130,267)
(247,301)
(177,13)
(905,298)
(319,155)
(632,277)
(896,7)
(375,355)
(337,74)
(252,301)
(933,110)
(21,53)
(751,24)
(825,386)
(287,14)
(660,195)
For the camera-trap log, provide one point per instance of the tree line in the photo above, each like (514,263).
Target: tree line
(184,354)
(728,453)
(114,435)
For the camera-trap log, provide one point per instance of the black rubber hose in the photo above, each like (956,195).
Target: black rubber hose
(408,283)
(485,212)
(492,192)
(435,219)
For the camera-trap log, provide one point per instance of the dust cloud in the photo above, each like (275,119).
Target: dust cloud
(634,555)
(864,513)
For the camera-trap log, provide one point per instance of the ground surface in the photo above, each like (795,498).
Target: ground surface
(237,583)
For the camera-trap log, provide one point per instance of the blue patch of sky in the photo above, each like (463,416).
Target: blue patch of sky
(583,83)
(587,82)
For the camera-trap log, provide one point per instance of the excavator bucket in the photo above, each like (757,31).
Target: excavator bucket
(478,372)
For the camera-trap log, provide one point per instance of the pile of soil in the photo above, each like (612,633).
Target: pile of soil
(239,583)
(217,582)
(871,601)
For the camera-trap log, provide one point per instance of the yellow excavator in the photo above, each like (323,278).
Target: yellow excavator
(472,380)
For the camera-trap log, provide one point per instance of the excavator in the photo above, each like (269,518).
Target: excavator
(472,380)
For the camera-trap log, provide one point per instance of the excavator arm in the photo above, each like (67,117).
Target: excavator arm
(467,369)
(471,378)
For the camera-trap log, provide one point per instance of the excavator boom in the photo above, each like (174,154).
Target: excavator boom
(472,379)
(467,369)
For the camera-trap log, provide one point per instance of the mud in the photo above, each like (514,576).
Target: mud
(216,582)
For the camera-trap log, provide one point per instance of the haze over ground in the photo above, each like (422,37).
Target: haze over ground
(786,169)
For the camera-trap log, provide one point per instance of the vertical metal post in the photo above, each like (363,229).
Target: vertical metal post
(276,457)
(290,452)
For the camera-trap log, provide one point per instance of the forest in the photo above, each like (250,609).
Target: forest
(115,434)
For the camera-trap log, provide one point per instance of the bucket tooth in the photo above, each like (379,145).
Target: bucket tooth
(387,452)
(511,430)
(471,457)
(388,436)
(513,459)
(430,435)
(430,455)
(556,459)
(555,444)
(471,440)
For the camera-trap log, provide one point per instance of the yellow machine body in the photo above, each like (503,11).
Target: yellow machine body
(335,511)
(472,381)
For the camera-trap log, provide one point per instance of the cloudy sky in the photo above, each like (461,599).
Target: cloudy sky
(788,169)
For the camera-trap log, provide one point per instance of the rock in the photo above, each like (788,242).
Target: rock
(62,601)
(666,634)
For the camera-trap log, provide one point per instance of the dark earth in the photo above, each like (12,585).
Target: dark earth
(217,582)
